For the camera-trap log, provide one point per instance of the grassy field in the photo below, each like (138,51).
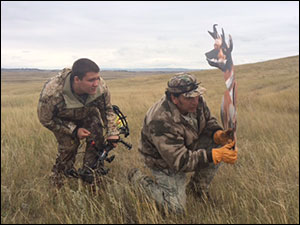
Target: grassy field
(262,187)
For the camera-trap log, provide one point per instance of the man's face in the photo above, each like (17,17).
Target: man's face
(186,104)
(88,84)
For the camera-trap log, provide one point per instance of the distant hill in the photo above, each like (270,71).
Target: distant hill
(34,74)
(150,69)
(25,69)
(108,69)
(30,74)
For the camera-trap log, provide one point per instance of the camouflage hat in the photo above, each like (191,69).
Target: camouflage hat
(186,84)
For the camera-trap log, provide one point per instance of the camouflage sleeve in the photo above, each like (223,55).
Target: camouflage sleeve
(110,116)
(46,115)
(169,141)
(211,122)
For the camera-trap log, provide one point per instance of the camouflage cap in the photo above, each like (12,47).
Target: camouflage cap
(186,84)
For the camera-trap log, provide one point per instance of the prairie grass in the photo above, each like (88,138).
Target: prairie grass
(262,187)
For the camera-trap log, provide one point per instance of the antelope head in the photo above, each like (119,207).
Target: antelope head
(220,56)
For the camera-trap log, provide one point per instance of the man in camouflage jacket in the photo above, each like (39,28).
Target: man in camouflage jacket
(75,105)
(180,135)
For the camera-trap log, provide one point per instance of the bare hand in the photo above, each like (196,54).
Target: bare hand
(113,140)
(83,133)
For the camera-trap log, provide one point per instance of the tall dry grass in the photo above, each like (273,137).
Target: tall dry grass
(262,187)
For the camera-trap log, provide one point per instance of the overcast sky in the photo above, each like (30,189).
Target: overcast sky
(52,35)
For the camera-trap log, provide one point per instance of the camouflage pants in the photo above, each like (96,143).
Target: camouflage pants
(68,147)
(166,190)
(201,179)
(170,189)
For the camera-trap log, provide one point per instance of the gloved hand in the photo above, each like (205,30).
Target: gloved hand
(222,137)
(225,154)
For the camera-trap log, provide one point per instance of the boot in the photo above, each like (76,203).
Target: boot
(56,180)
(86,175)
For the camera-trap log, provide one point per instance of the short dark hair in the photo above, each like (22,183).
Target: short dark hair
(168,95)
(82,66)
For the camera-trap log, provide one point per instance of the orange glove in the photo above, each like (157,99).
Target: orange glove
(225,154)
(222,137)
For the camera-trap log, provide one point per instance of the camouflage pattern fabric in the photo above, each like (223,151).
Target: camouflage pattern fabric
(170,190)
(200,181)
(61,112)
(67,150)
(172,145)
(168,141)
(186,84)
(166,190)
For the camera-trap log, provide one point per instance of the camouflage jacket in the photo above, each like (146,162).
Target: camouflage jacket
(61,112)
(168,140)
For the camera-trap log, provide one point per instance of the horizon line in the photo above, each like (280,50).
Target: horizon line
(141,68)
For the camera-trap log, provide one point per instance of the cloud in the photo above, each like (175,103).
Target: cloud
(143,34)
